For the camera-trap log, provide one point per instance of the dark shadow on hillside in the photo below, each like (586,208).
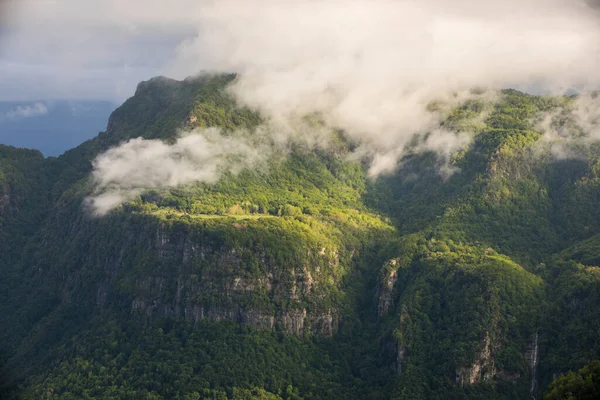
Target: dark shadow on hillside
(575,197)
(9,389)
(418,193)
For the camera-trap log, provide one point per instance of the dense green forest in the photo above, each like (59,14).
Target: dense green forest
(306,279)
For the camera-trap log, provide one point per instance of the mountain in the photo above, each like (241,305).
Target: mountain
(52,126)
(304,278)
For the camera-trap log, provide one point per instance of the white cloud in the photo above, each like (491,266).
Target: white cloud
(26,111)
(110,45)
(123,172)
(372,67)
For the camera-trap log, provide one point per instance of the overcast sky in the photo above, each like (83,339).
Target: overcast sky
(88,49)
(101,49)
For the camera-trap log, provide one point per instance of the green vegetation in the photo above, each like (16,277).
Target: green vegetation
(305,279)
(583,385)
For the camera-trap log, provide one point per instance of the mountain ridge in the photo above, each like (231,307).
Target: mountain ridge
(472,285)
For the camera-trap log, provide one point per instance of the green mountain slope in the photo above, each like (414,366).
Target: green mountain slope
(302,279)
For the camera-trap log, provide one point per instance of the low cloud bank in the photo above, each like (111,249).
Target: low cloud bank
(372,68)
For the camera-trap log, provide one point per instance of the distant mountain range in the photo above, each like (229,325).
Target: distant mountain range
(52,126)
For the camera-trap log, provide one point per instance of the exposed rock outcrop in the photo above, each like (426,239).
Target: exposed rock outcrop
(385,289)
(193,277)
(532,357)
(482,370)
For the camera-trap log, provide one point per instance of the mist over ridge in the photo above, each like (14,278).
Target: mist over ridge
(373,68)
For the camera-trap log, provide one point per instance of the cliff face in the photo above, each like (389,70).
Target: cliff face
(197,278)
(216,269)
(385,289)
(483,368)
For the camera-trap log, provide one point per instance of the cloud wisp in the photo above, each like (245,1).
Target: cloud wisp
(569,127)
(121,173)
(25,111)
